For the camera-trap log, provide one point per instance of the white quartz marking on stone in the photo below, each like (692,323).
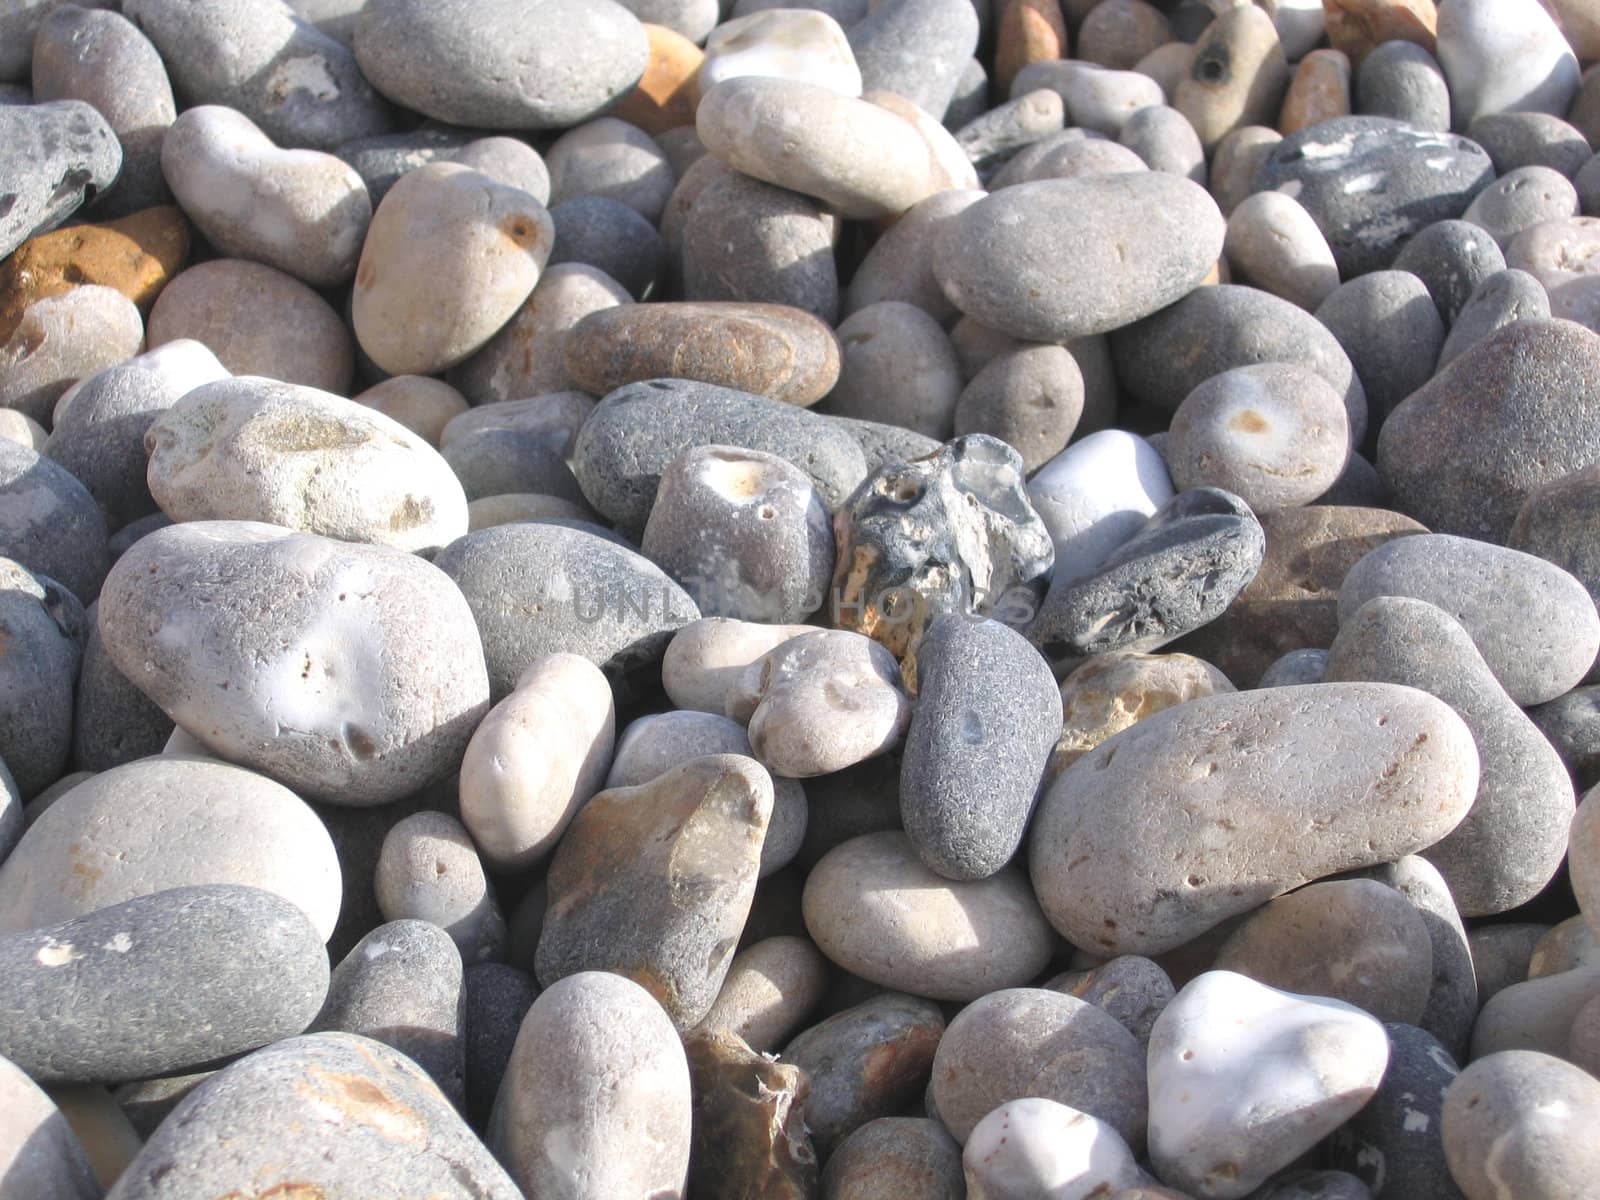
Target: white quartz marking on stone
(307,74)
(1360,184)
(57,954)
(120,943)
(1416,1121)
(1553,1108)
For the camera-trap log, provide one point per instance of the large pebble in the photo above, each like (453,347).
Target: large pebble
(1272,243)
(1391,329)
(1403,80)
(1245,1078)
(57,156)
(1058,259)
(595,1101)
(899,265)
(1032,399)
(161,983)
(1236,77)
(771,988)
(61,339)
(352,673)
(707,659)
(916,49)
(1452,258)
(612,159)
(966,939)
(897,367)
(790,43)
(1504,56)
(1290,784)
(164,823)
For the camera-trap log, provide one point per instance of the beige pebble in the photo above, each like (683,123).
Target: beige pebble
(62,339)
(1273,244)
(897,366)
(423,405)
(770,991)
(786,43)
(1234,163)
(1535,1015)
(429,870)
(1121,33)
(22,429)
(1237,78)
(706,659)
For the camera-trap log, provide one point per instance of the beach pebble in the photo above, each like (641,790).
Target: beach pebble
(1511,1122)
(1237,76)
(610,158)
(1584,861)
(23,430)
(1098,100)
(498,996)
(1504,56)
(40,1154)
(916,49)
(1452,258)
(1521,199)
(429,870)
(892,1157)
(606,234)
(1347,812)
(1095,495)
(1572,943)
(856,905)
(1537,1014)
(257,321)
(899,265)
(804,43)
(1132,989)
(865,1063)
(898,367)
(49,523)
(1402,79)
(1244,1078)
(423,405)
(1501,299)
(771,988)
(1501,953)
(449,258)
(1318,91)
(751,1132)
(44,634)
(1035,1146)
(61,339)
(668,914)
(58,156)
(498,462)
(1231,175)
(991,139)
(1031,399)
(113,721)
(1391,329)
(1273,244)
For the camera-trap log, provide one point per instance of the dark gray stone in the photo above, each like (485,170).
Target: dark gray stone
(494,462)
(1572,725)
(1132,989)
(387,1135)
(113,721)
(918,49)
(1514,411)
(971,97)
(1294,668)
(1182,569)
(498,997)
(986,717)
(1528,139)
(42,635)
(1358,485)
(1401,80)
(884,444)
(402,985)
(637,430)
(1452,258)
(538,589)
(49,523)
(1393,1143)
(861,799)
(608,235)
(161,984)
(1406,177)
(381,159)
(1587,183)
(1390,328)
(54,158)
(1558,522)
(1504,297)
(1511,844)
(1164,357)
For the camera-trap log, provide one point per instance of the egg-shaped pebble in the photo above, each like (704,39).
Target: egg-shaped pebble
(429,870)
(1034,1144)
(706,659)
(787,43)
(771,988)
(1273,244)
(1096,494)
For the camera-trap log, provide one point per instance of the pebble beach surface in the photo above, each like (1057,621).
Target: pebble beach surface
(799,600)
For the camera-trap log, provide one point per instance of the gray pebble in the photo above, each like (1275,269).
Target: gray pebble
(1132,989)
(1069,154)
(1587,181)
(429,870)
(1452,258)
(1572,723)
(893,1157)
(49,523)
(896,366)
(883,444)
(1501,954)
(1163,137)
(1312,1185)
(1557,523)
(1525,139)
(11,812)
(900,264)
(1392,331)
(57,157)
(971,97)
(1501,298)
(113,721)
(497,462)
(498,996)
(1031,398)
(605,233)
(1295,667)
(993,137)
(610,158)
(40,1155)
(382,158)
(1521,199)
(510,161)
(1400,79)
(44,633)
(916,48)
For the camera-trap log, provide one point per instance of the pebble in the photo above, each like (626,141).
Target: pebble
(429,870)
(1029,31)
(1537,1014)
(1584,860)
(1389,326)
(58,156)
(771,988)
(1499,300)
(1572,943)
(40,1154)
(1030,1145)
(1071,154)
(1235,1098)
(968,938)
(1521,199)
(1452,258)
(1237,76)
(896,1156)
(304,212)
(610,158)
(1524,139)
(23,430)
(897,367)
(707,659)
(1031,398)
(49,523)
(45,631)
(1501,953)
(498,997)
(1503,56)
(257,321)
(1492,592)
(804,44)
(509,161)
(898,267)
(1403,80)
(554,417)
(865,1063)
(61,339)
(750,1130)
(1163,137)
(993,138)
(423,405)
(596,1097)
(113,721)
(1273,243)
(1319,91)
(1095,495)
(916,49)
(1510,1123)
(1118,34)
(1098,100)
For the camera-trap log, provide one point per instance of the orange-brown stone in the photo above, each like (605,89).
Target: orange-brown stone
(1030,31)
(664,98)
(1319,91)
(136,255)
(1356,27)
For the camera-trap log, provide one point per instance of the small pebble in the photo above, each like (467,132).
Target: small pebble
(428,870)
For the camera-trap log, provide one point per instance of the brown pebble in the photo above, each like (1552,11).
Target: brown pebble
(1120,33)
(750,1136)
(893,1158)
(1319,91)
(1030,31)
(664,98)
(1358,26)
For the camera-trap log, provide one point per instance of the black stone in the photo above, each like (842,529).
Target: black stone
(498,997)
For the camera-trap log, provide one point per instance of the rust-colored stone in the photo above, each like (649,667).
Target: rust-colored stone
(664,98)
(1030,31)
(750,1137)
(1319,91)
(1357,27)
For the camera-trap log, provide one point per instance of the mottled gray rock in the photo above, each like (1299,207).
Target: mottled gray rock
(43,630)
(1501,299)
(1556,523)
(498,996)
(60,339)
(49,522)
(637,430)
(986,717)
(897,366)
(1402,80)
(1070,154)
(896,1156)
(58,157)
(1236,76)
(577,593)
(1572,724)
(161,984)
(1452,257)
(113,721)
(1524,139)
(607,235)
(1389,326)
(500,462)
(1031,398)
(899,266)
(611,158)
(1501,954)
(1132,989)
(916,49)
(1163,137)
(389,1132)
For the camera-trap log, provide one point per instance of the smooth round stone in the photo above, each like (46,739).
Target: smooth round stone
(1452,258)
(1031,398)
(57,157)
(259,450)
(608,235)
(402,985)
(388,1123)
(1163,358)
(382,159)
(1037,1146)
(1343,739)
(1511,1125)
(1095,495)
(1273,244)
(899,267)
(750,241)
(1245,1078)
(787,43)
(450,257)
(429,870)
(1390,327)
(40,1154)
(1575,942)
(548,69)
(669,916)
(1061,258)
(1403,80)
(892,1157)
(1533,623)
(538,756)
(610,158)
(1511,843)
(257,321)
(44,633)
(767,349)
(326,647)
(577,593)
(985,720)
(1097,99)
(49,523)
(509,161)
(1502,298)
(162,983)
(916,49)
(1120,33)
(497,462)
(166,823)
(1274,434)
(707,658)
(967,940)
(1504,56)
(23,430)
(1524,139)
(1181,570)
(1584,859)
(866,1062)
(771,988)
(1353,940)
(1164,139)
(898,367)
(1553,524)
(1537,1014)
(1019,1042)
(61,339)
(636,431)
(1236,78)
(1362,27)
(1319,91)
(1569,722)
(1521,199)
(859,159)
(1295,667)
(1369,184)
(554,417)
(1070,154)
(1234,161)
(424,406)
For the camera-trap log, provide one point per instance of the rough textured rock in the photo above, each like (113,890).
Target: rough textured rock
(750,1134)
(58,156)
(896,1156)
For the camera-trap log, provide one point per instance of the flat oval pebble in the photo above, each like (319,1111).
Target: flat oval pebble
(161,983)
(1377,771)
(875,910)
(1272,243)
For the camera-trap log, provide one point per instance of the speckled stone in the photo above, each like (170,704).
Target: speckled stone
(1273,244)
(1452,257)
(1389,326)
(916,49)
(1031,398)
(770,990)
(610,158)
(428,870)
(58,156)
(1132,989)
(1523,139)
(49,523)
(1402,80)
(897,367)
(1502,298)
(45,630)
(1502,56)
(1521,199)
(1237,75)
(498,996)
(891,1157)
(899,264)
(706,661)
(113,721)
(501,462)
